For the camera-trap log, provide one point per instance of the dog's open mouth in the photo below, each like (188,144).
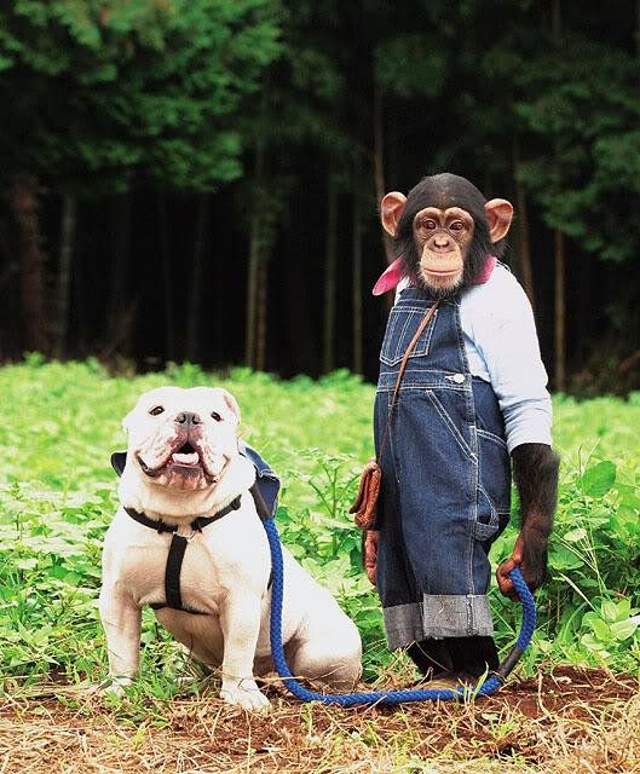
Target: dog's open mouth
(185,460)
(186,456)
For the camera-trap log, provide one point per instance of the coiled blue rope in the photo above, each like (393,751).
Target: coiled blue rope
(489,686)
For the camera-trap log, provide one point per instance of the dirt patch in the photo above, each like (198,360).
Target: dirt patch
(565,689)
(568,720)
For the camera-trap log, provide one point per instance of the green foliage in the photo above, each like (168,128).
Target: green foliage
(412,65)
(111,87)
(57,496)
(582,104)
(594,560)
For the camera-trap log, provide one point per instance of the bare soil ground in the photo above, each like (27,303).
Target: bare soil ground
(566,720)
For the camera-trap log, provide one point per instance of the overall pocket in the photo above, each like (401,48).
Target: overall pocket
(401,327)
(494,485)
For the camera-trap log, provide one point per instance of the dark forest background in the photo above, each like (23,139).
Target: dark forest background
(199,179)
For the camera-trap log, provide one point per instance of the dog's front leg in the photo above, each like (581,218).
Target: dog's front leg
(120,618)
(240,622)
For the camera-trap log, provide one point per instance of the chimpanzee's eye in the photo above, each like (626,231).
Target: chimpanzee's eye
(456,225)
(156,410)
(216,416)
(429,224)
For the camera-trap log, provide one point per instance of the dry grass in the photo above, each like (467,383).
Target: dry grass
(563,722)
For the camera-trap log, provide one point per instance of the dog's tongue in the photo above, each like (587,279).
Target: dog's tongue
(185,459)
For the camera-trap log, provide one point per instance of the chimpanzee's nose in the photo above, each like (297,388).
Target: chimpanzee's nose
(442,240)
(188,418)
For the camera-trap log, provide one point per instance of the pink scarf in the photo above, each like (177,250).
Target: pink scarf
(390,278)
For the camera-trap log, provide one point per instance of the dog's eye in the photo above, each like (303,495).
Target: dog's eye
(156,410)
(216,416)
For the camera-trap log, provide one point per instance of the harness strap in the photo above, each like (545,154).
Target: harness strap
(197,525)
(178,546)
(172,572)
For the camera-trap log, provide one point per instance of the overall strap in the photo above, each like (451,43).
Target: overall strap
(403,365)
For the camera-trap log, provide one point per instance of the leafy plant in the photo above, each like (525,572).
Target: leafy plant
(57,497)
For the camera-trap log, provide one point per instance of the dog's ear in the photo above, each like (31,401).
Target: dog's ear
(231,403)
(126,422)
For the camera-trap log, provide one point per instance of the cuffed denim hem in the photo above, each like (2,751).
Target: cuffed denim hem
(453,615)
(439,616)
(402,625)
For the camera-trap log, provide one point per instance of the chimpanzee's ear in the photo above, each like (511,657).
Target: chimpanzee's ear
(499,215)
(391,208)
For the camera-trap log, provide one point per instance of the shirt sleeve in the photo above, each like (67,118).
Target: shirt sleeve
(507,339)
(404,283)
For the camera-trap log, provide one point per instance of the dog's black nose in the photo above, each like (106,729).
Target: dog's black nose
(188,418)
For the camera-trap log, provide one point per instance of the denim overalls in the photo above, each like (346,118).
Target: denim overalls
(446,479)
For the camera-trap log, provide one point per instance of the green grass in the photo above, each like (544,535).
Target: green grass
(57,495)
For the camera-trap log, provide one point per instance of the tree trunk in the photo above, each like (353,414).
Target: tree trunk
(23,198)
(65,270)
(262,310)
(582,313)
(197,276)
(560,311)
(637,32)
(81,337)
(522,218)
(165,257)
(119,310)
(556,20)
(252,294)
(330,267)
(255,249)
(358,355)
(378,161)
(559,254)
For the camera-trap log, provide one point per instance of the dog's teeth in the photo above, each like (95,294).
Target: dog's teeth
(185,459)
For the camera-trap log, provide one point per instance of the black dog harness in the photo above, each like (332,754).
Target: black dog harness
(179,544)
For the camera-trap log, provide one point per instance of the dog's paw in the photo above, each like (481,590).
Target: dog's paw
(245,694)
(113,686)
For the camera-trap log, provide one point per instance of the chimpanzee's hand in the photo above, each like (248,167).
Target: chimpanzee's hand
(370,553)
(530,555)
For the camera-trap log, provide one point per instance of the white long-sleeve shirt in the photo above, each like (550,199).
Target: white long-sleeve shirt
(502,348)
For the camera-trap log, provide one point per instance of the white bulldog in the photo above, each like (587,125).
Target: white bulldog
(183,463)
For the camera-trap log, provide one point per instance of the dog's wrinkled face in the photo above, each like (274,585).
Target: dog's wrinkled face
(183,438)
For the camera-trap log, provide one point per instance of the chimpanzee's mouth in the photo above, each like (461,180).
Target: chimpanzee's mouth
(442,272)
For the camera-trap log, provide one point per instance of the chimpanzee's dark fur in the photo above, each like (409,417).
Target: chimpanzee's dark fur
(462,656)
(535,471)
(443,191)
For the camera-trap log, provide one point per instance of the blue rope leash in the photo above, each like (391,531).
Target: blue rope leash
(489,686)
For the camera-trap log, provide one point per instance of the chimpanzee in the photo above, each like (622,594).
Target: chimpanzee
(472,400)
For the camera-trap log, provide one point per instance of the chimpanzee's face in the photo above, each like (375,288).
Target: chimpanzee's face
(442,240)
(445,230)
